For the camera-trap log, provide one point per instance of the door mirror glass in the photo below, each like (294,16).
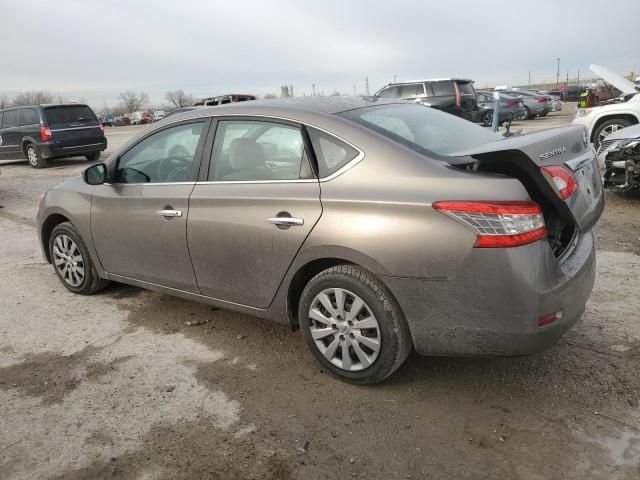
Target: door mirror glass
(96,174)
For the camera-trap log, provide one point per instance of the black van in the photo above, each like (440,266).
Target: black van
(43,132)
(452,95)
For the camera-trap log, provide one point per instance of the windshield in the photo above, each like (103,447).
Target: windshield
(422,128)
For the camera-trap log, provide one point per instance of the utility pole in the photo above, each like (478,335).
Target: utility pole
(567,76)
(313,87)
(366,86)
(578,76)
(529,78)
(394,77)
(558,73)
(354,89)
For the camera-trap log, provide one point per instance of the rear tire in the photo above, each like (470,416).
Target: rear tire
(527,114)
(72,262)
(34,157)
(93,157)
(380,341)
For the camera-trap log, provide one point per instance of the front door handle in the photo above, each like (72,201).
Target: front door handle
(169,213)
(286,221)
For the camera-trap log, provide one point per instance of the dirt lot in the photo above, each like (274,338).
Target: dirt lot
(118,386)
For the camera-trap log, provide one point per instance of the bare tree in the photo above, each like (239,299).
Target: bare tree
(32,98)
(4,101)
(133,101)
(179,99)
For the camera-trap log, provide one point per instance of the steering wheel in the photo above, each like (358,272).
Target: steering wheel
(175,169)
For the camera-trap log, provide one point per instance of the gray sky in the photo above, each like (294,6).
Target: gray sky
(95,49)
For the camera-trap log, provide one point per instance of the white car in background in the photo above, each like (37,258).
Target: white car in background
(607,119)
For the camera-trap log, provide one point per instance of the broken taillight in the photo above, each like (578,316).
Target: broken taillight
(561,179)
(498,223)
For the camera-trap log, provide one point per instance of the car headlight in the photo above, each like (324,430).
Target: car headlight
(582,112)
(627,144)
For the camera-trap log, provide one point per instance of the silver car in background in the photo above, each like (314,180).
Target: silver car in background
(535,104)
(375,226)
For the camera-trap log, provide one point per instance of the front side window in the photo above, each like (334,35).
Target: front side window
(10,119)
(332,154)
(165,156)
(248,150)
(28,116)
(389,92)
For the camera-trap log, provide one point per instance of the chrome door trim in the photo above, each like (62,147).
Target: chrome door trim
(74,128)
(358,158)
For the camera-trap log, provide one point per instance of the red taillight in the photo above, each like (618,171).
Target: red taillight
(561,179)
(541,99)
(45,133)
(498,223)
(548,319)
(102,128)
(458,94)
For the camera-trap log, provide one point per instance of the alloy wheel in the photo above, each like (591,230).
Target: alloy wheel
(344,329)
(608,130)
(32,155)
(68,260)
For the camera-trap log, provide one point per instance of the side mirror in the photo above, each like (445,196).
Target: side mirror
(95,174)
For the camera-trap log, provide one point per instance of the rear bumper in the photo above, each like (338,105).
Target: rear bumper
(492,306)
(51,150)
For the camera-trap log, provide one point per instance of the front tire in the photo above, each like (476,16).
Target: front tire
(34,157)
(72,262)
(527,114)
(353,325)
(93,157)
(607,128)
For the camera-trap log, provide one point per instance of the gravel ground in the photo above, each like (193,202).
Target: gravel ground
(118,386)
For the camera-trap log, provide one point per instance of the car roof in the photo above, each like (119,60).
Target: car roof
(293,106)
(466,80)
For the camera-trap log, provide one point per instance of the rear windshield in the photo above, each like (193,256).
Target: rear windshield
(422,128)
(69,114)
(465,88)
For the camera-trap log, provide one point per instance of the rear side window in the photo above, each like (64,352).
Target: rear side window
(466,88)
(410,91)
(332,154)
(69,114)
(10,119)
(389,92)
(28,116)
(248,150)
(441,89)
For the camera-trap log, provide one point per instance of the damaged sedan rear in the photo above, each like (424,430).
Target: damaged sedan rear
(374,226)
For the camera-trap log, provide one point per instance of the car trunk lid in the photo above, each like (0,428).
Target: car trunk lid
(524,157)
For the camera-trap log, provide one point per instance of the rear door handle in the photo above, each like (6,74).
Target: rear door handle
(286,221)
(169,213)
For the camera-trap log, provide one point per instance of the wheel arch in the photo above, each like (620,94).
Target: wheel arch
(48,225)
(604,118)
(26,141)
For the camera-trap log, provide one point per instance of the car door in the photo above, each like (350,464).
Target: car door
(10,147)
(256,204)
(139,218)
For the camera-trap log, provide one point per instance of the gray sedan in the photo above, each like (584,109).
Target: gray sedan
(374,226)
(535,104)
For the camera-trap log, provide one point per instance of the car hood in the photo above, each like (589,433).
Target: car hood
(625,86)
(629,132)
